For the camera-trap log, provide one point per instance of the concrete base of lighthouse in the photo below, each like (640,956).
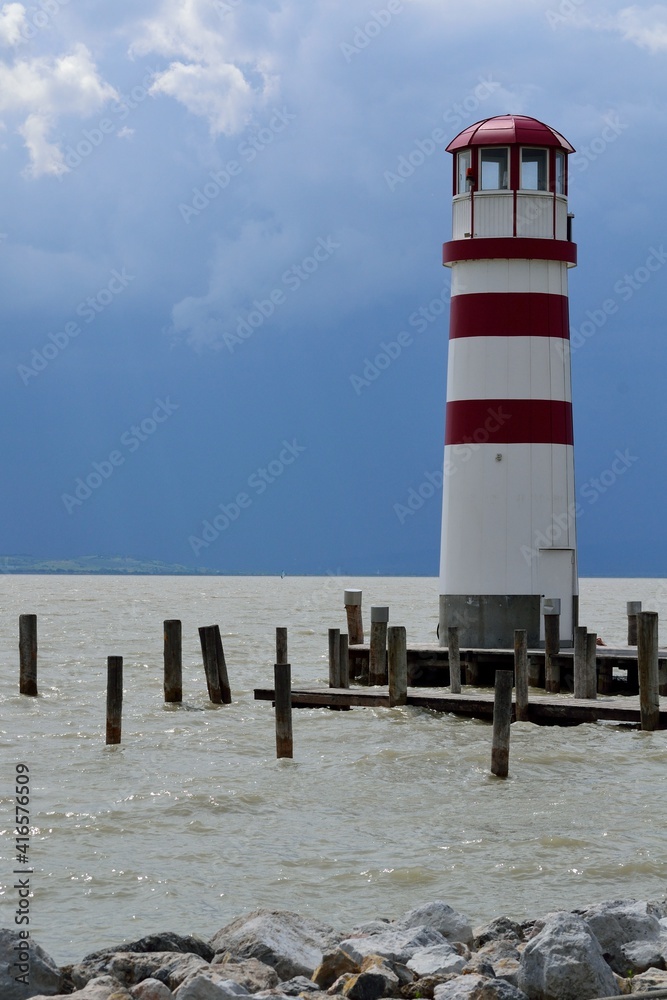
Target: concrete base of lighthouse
(487,621)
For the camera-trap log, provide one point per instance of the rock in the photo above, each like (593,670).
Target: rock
(44,975)
(295,987)
(398,944)
(436,960)
(189,944)
(333,965)
(249,972)
(206,988)
(654,979)
(130,968)
(179,967)
(508,969)
(151,989)
(476,987)
(376,981)
(638,956)
(336,989)
(424,988)
(618,923)
(565,962)
(102,988)
(479,966)
(291,944)
(440,917)
(502,928)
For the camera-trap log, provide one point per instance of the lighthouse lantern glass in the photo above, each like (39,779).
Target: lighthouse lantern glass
(560,173)
(494,169)
(464,163)
(534,169)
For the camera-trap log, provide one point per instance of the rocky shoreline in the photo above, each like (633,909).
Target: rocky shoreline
(429,953)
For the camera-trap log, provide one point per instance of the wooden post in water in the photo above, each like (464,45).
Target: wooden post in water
(28,655)
(580,661)
(377,657)
(397,659)
(551,612)
(282,673)
(173,661)
(334,657)
(225,689)
(344,661)
(521,673)
(355,626)
(647,657)
(454,658)
(502,718)
(591,665)
(633,609)
(281,645)
(210,656)
(114,698)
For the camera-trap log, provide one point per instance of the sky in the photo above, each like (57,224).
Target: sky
(217,215)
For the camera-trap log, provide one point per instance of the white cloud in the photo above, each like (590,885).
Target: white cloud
(218,93)
(45,88)
(12,20)
(645,27)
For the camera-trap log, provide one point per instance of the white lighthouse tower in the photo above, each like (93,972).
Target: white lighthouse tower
(508,521)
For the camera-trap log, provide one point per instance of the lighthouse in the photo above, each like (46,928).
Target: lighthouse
(508,518)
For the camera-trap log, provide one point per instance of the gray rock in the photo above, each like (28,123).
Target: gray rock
(207,988)
(179,967)
(654,979)
(291,944)
(373,984)
(502,928)
(440,917)
(132,967)
(476,987)
(334,964)
(619,922)
(249,972)
(166,941)
(397,944)
(102,988)
(43,974)
(638,956)
(294,987)
(508,969)
(151,989)
(565,962)
(436,960)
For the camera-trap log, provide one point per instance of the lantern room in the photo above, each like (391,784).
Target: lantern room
(510,179)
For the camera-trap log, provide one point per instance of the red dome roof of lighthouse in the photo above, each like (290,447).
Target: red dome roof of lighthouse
(506,130)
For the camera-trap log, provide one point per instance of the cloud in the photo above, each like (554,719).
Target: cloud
(645,27)
(12,20)
(45,88)
(212,73)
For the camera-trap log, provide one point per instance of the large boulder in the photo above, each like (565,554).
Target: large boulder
(102,988)
(151,989)
(474,987)
(440,917)
(291,944)
(248,972)
(209,988)
(132,967)
(399,944)
(21,957)
(436,960)
(621,922)
(565,962)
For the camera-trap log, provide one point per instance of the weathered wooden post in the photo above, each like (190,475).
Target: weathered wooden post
(454,659)
(647,657)
(633,609)
(334,657)
(344,661)
(114,698)
(377,657)
(281,645)
(580,661)
(28,655)
(592,666)
(173,661)
(282,673)
(397,658)
(225,689)
(210,656)
(551,613)
(355,626)
(521,673)
(502,718)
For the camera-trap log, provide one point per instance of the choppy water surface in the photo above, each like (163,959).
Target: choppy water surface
(192,821)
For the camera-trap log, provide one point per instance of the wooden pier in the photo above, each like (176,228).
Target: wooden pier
(543,710)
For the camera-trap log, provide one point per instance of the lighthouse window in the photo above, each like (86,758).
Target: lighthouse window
(560,173)
(465,179)
(494,169)
(534,169)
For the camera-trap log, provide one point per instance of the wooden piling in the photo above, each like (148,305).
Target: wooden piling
(334,657)
(114,698)
(592,666)
(281,645)
(225,689)
(209,651)
(282,673)
(647,658)
(604,673)
(173,661)
(454,659)
(580,661)
(344,660)
(502,717)
(355,626)
(633,609)
(521,673)
(377,656)
(28,655)
(397,661)
(551,613)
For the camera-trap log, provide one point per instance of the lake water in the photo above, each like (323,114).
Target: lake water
(192,821)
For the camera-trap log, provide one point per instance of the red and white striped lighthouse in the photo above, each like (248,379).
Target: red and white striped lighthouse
(508,523)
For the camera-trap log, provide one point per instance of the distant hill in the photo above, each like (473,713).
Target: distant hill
(101,565)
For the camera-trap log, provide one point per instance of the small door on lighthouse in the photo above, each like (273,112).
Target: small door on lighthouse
(556,578)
